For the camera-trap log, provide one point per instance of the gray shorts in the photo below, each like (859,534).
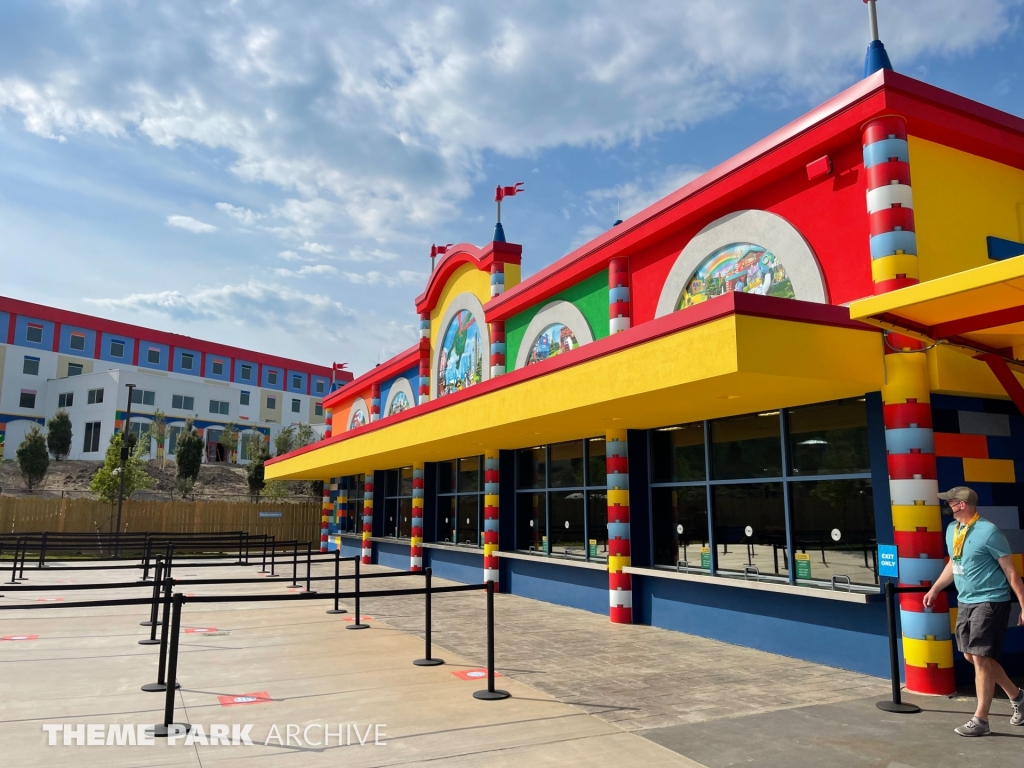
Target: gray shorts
(981,627)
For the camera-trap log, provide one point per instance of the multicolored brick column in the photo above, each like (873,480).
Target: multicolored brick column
(620,584)
(497,348)
(424,357)
(906,397)
(497,278)
(341,507)
(416,535)
(492,477)
(328,422)
(367,554)
(325,515)
(374,401)
(618,295)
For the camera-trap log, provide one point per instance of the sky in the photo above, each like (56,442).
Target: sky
(272,174)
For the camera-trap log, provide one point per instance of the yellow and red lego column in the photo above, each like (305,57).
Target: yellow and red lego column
(325,515)
(492,479)
(416,534)
(620,584)
(618,296)
(367,553)
(374,401)
(906,397)
(424,388)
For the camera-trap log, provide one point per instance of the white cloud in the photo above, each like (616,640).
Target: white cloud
(375,254)
(189,224)
(291,256)
(632,197)
(319,269)
(243,215)
(373,277)
(316,248)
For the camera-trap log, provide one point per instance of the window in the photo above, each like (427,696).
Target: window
(95,396)
(34,333)
(272,403)
(172,438)
(460,503)
(246,372)
(153,356)
(219,406)
(722,492)
(398,503)
(143,397)
(31,366)
(319,387)
(243,398)
(350,516)
(65,399)
(296,382)
(75,369)
(296,405)
(27,400)
(218,367)
(92,437)
(117,348)
(183,402)
(272,378)
(77,341)
(187,359)
(562,499)
(318,409)
(140,431)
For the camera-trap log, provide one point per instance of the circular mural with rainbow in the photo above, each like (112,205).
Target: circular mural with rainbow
(358,420)
(461,362)
(743,267)
(399,404)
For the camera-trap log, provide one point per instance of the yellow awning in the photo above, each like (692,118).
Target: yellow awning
(731,365)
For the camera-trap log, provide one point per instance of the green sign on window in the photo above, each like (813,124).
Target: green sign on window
(803,565)
(593,547)
(705,558)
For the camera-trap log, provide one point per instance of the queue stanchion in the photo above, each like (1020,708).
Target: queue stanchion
(897,705)
(146,555)
(263,567)
(246,534)
(273,558)
(309,563)
(357,623)
(153,620)
(337,583)
(491,694)
(42,552)
(24,556)
(295,563)
(161,681)
(169,727)
(14,563)
(168,559)
(428,660)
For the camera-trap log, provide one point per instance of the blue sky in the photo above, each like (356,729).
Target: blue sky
(272,174)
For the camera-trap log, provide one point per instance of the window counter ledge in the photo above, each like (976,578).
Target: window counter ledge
(553,560)
(763,586)
(452,547)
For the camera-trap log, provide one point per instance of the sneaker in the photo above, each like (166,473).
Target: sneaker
(1018,709)
(974,727)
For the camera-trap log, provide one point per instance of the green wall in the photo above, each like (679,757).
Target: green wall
(590,298)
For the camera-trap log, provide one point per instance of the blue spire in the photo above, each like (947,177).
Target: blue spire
(876,58)
(499,233)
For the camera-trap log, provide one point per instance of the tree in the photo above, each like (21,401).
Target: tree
(106,483)
(188,453)
(304,435)
(284,441)
(158,433)
(33,458)
(229,440)
(257,453)
(58,435)
(275,489)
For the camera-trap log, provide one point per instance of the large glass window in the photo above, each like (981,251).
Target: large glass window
(460,503)
(398,503)
(562,501)
(350,519)
(773,481)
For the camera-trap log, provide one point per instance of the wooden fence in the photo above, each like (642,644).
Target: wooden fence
(296,521)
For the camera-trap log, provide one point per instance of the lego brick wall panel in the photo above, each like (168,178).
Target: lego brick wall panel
(964,446)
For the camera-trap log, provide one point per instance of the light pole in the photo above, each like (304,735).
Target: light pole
(125,435)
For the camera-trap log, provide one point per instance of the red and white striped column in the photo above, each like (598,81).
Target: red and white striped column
(497,348)
(620,584)
(497,279)
(906,397)
(424,358)
(492,503)
(618,296)
(416,535)
(328,422)
(374,402)
(367,554)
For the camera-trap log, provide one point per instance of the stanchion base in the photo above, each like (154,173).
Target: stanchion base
(149,623)
(428,662)
(491,695)
(900,709)
(358,626)
(161,731)
(262,573)
(149,641)
(158,687)
(333,612)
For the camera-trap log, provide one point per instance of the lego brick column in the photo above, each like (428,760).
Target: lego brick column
(374,402)
(618,295)
(492,503)
(497,348)
(367,553)
(497,279)
(416,536)
(906,395)
(328,422)
(340,513)
(620,584)
(325,515)
(424,357)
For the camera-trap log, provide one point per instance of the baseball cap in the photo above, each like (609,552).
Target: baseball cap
(960,493)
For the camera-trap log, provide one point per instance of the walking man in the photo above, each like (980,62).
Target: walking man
(982,569)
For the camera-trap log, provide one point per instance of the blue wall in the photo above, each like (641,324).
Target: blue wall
(65,341)
(392,555)
(466,567)
(322,380)
(21,328)
(298,387)
(5,321)
(584,588)
(351,547)
(225,374)
(129,348)
(413,375)
(196,361)
(265,376)
(144,347)
(252,379)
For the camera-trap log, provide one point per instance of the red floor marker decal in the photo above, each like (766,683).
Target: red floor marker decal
(199,630)
(245,698)
(473,674)
(353,618)
(49,599)
(20,637)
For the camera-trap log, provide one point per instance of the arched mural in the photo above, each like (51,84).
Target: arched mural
(359,414)
(751,251)
(553,341)
(461,360)
(558,327)
(399,404)
(400,397)
(737,267)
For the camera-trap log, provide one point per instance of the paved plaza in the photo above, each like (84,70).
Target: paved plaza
(584,691)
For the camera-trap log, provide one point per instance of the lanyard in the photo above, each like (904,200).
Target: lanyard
(960,536)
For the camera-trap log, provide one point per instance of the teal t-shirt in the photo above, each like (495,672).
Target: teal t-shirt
(979,579)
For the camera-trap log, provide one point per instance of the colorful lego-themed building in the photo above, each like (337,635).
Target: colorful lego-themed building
(709,417)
